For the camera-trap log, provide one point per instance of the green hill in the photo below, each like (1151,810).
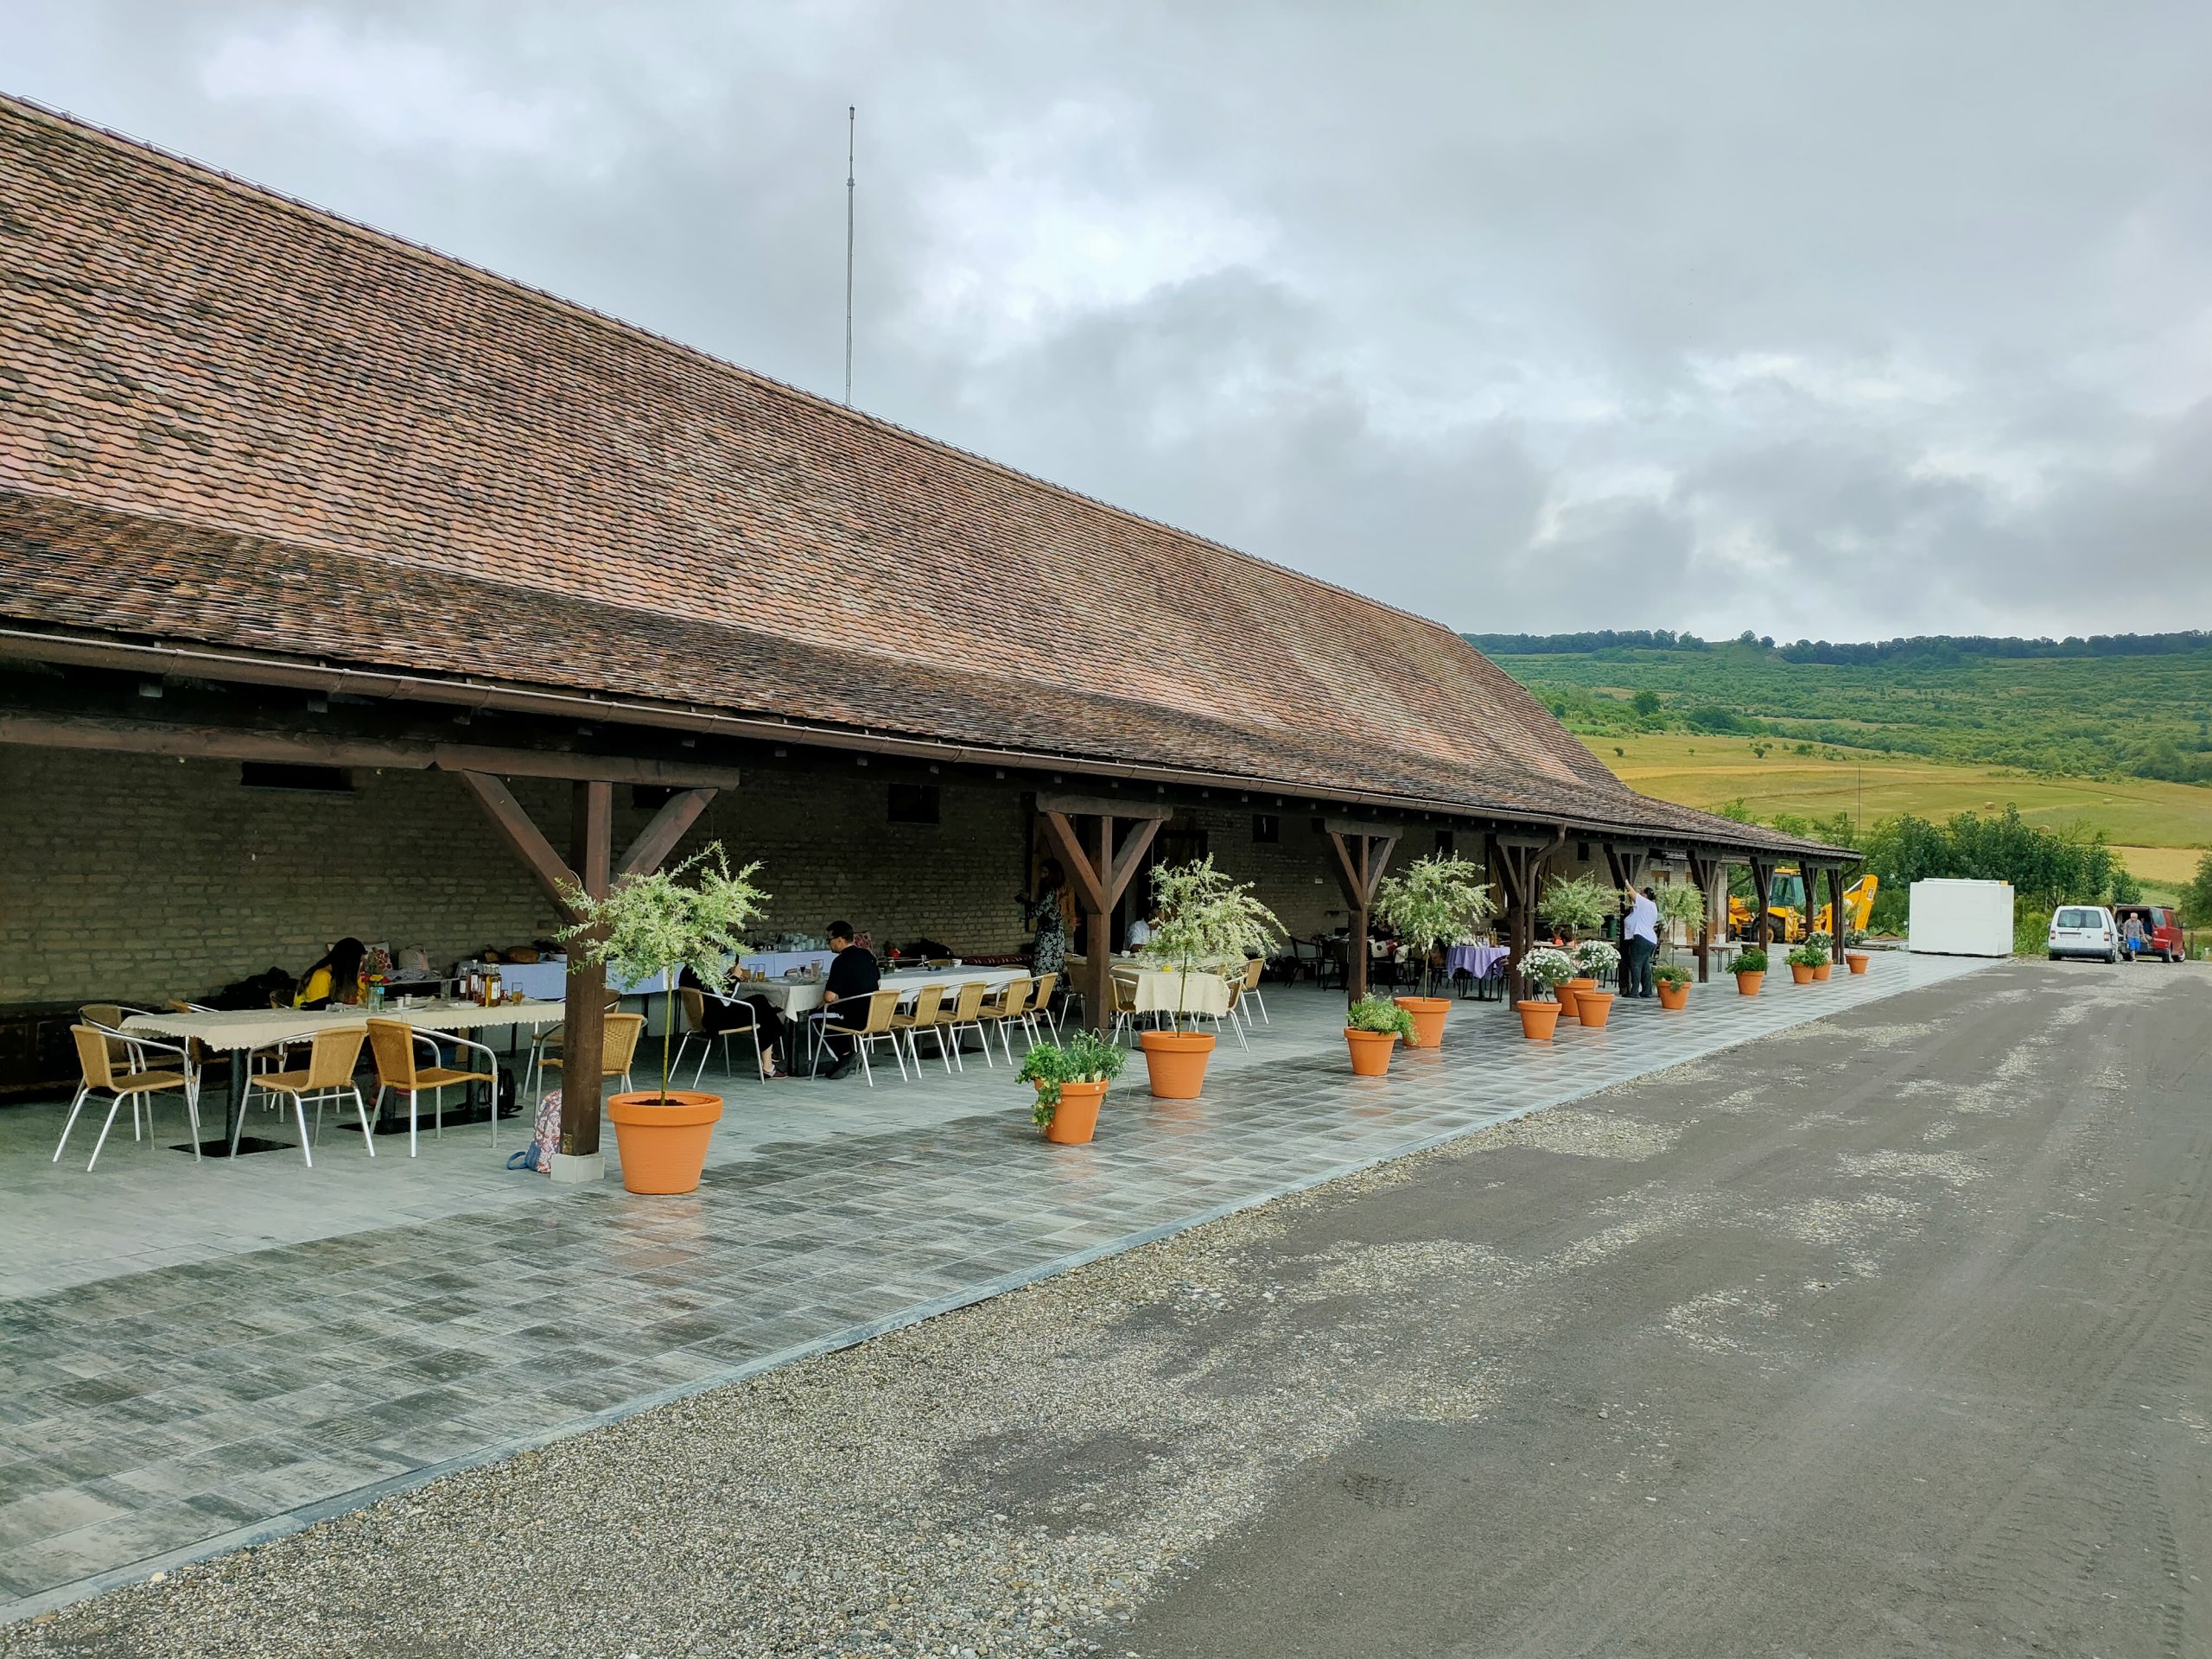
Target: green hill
(2128,706)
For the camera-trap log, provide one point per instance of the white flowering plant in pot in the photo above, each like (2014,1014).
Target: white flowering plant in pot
(1594,958)
(692,915)
(1435,902)
(1548,968)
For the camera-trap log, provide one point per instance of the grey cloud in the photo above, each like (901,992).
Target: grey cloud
(1870,322)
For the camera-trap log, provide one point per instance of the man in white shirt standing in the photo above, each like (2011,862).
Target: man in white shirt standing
(1639,942)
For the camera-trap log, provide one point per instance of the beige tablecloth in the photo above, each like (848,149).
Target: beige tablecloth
(1159,992)
(258,1027)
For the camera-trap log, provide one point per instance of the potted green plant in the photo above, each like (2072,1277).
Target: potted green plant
(1804,960)
(1436,901)
(1200,915)
(1548,968)
(653,926)
(1071,1079)
(1824,945)
(1749,969)
(1674,982)
(1857,960)
(1373,1027)
(1574,906)
(1593,960)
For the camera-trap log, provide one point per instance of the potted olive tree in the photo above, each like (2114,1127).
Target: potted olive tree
(1680,903)
(1200,917)
(1436,901)
(1373,1027)
(1071,1079)
(654,926)
(1548,968)
(1574,906)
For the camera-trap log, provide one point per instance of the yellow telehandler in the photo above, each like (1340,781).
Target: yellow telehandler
(1786,902)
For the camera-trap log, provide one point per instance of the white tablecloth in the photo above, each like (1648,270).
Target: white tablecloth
(1164,992)
(796,998)
(257,1027)
(775,961)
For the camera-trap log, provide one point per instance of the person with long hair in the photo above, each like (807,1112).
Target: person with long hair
(334,978)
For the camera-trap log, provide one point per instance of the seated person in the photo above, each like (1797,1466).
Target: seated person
(334,978)
(1140,933)
(854,975)
(724,1012)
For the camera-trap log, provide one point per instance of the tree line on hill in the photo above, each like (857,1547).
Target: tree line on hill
(1926,647)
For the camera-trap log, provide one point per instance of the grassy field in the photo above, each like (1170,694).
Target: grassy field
(2157,827)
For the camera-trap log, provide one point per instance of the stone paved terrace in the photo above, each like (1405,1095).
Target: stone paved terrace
(195,1356)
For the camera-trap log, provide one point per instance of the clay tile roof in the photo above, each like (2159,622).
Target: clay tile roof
(236,420)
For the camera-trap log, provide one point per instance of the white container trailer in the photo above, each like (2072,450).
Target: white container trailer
(1960,918)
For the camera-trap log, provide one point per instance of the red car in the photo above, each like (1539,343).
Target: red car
(2161,929)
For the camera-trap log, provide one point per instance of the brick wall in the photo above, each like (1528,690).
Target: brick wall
(135,878)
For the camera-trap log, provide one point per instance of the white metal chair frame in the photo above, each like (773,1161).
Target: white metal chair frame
(931,1013)
(954,1024)
(328,1089)
(692,996)
(864,1039)
(438,1090)
(138,1045)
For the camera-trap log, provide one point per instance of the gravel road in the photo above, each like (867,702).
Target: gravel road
(1887,1335)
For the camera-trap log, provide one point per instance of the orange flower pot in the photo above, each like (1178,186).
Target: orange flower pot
(1371,1051)
(664,1143)
(1673,998)
(1800,973)
(1568,992)
(1748,984)
(1538,1020)
(1823,970)
(1856,961)
(1593,1007)
(1075,1119)
(1428,1013)
(1176,1062)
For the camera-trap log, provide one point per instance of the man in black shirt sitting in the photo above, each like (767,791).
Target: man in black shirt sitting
(853,975)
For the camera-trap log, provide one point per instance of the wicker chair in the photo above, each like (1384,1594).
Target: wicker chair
(138,1084)
(1010,1006)
(391,1045)
(873,1027)
(332,1053)
(618,1050)
(930,1014)
(966,1014)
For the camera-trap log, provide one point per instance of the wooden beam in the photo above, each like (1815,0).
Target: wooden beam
(1705,868)
(528,842)
(193,740)
(1102,806)
(1131,856)
(1835,914)
(1089,892)
(1380,848)
(669,826)
(1361,827)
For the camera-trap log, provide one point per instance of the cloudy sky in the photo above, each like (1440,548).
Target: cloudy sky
(1841,322)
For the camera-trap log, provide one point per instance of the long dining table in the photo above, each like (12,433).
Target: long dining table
(241,1031)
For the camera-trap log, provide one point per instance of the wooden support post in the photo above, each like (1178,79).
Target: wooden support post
(1762,889)
(1101,873)
(1836,923)
(1518,864)
(583,1026)
(1705,872)
(669,825)
(1360,853)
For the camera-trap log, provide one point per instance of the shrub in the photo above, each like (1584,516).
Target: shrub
(1379,1014)
(1594,958)
(1671,973)
(1579,904)
(1083,1058)
(1750,961)
(1548,968)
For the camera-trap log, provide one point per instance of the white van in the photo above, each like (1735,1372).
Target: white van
(2084,931)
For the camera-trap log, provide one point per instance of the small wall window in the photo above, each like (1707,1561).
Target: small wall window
(278,774)
(1446,843)
(651,797)
(1582,851)
(1267,827)
(913,804)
